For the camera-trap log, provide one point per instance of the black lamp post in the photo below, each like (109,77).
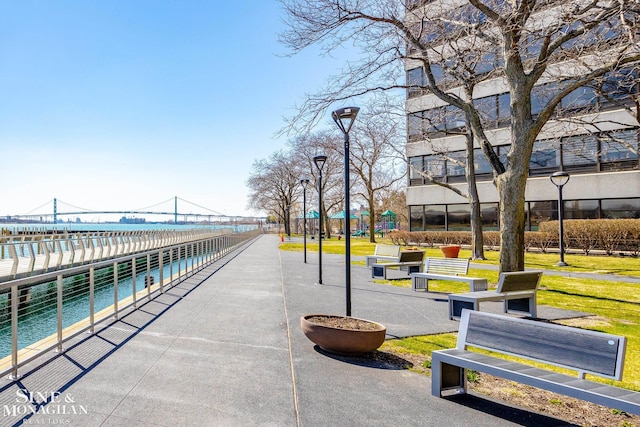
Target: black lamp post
(344,118)
(559,179)
(288,224)
(320,161)
(304,182)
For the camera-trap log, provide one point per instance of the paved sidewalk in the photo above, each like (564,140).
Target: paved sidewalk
(224,348)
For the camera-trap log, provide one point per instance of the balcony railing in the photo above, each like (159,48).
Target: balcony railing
(41,312)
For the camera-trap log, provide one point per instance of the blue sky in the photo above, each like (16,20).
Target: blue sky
(123,104)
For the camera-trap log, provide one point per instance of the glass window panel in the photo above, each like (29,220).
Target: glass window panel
(490,215)
(580,209)
(455,163)
(415,81)
(434,119)
(480,162)
(458,217)
(619,146)
(542,211)
(546,154)
(438,73)
(541,95)
(621,208)
(434,166)
(414,125)
(454,118)
(486,108)
(416,214)
(579,150)
(583,97)
(416,167)
(434,217)
(504,107)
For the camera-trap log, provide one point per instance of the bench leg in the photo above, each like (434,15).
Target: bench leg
(378,272)
(446,377)
(420,283)
(456,306)
(526,305)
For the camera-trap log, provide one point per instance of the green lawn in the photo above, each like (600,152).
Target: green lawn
(615,306)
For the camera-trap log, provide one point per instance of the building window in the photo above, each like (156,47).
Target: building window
(581,209)
(619,150)
(490,216)
(545,157)
(416,218)
(620,208)
(579,151)
(435,217)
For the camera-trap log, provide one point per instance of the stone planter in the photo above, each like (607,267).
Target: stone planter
(450,251)
(348,336)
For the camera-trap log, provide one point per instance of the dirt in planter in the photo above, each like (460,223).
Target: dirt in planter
(341,322)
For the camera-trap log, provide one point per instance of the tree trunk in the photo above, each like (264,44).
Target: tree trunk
(477,239)
(511,186)
(372,224)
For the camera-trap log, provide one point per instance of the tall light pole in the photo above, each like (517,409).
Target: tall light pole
(344,118)
(559,179)
(320,161)
(304,182)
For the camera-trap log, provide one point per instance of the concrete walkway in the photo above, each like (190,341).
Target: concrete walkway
(225,348)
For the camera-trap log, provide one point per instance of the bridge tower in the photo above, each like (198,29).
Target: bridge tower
(55,210)
(175,209)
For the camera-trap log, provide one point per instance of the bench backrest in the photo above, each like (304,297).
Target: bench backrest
(411,256)
(578,349)
(453,266)
(519,281)
(387,250)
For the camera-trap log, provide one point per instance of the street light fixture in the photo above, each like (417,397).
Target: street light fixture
(304,182)
(344,118)
(559,179)
(320,161)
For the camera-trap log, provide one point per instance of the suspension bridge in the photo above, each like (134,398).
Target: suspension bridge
(169,211)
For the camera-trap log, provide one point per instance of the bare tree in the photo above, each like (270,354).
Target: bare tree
(373,156)
(274,186)
(458,48)
(304,148)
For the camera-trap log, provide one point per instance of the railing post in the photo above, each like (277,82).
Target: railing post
(115,290)
(59,304)
(147,283)
(134,290)
(160,270)
(14,333)
(92,299)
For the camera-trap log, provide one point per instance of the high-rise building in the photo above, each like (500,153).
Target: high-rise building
(593,133)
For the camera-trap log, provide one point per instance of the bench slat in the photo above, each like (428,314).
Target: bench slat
(578,349)
(445,377)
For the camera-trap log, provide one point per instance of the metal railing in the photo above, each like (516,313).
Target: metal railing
(40,313)
(25,255)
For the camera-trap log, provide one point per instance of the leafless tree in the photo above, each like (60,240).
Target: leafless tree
(459,47)
(304,148)
(274,186)
(373,157)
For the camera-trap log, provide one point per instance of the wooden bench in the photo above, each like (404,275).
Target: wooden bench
(388,253)
(408,262)
(517,290)
(584,351)
(446,269)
